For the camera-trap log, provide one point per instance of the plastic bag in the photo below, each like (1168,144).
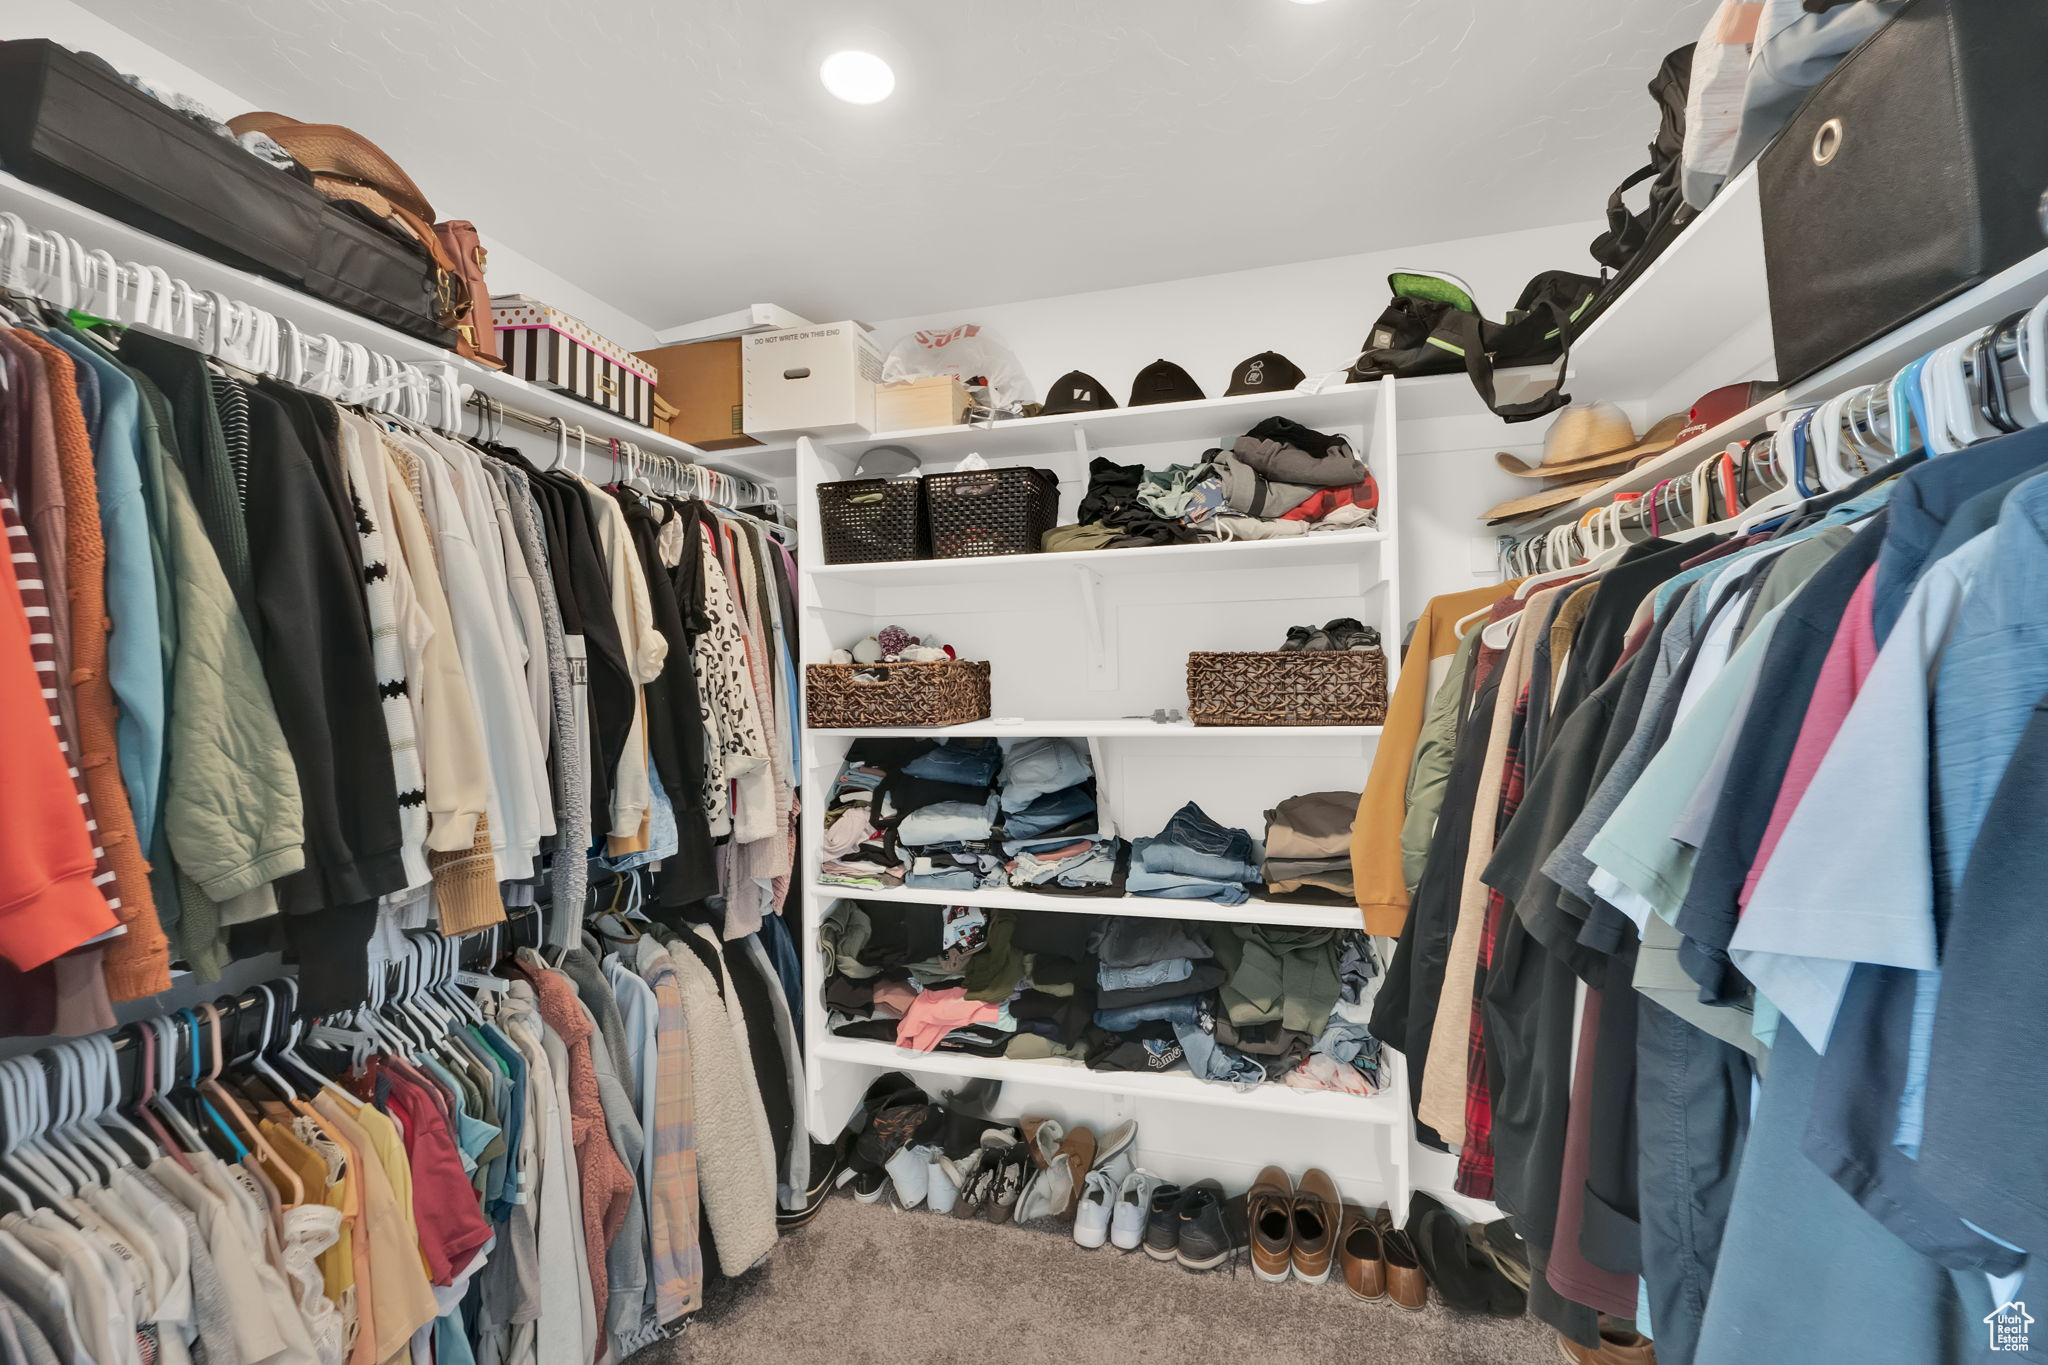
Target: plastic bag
(968,352)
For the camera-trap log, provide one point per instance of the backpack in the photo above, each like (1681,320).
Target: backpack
(1433,327)
(1633,240)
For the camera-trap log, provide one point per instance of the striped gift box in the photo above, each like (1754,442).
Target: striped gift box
(549,347)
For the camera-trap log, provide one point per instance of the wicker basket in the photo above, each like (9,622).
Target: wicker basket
(991,511)
(1307,687)
(869,521)
(948,693)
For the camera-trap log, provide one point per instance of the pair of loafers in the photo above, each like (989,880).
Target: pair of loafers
(1379,1261)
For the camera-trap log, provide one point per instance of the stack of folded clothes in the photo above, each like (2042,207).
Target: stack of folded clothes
(1194,858)
(1284,479)
(857,848)
(943,803)
(1156,1001)
(1308,848)
(1051,824)
(1054,1007)
(1293,1001)
(1345,1055)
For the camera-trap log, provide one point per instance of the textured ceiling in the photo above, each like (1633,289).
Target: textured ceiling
(679,159)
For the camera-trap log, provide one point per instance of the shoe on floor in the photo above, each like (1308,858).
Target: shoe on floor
(1117,1151)
(1505,1249)
(1204,1240)
(1362,1259)
(869,1186)
(1133,1207)
(1077,1150)
(1092,1212)
(1407,1286)
(1162,1223)
(1462,1272)
(1317,1214)
(910,1171)
(1012,1171)
(943,1180)
(1270,1207)
(1618,1346)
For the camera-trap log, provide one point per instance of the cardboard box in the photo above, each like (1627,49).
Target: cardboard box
(810,381)
(938,400)
(702,380)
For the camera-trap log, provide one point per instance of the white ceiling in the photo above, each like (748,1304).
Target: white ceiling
(680,159)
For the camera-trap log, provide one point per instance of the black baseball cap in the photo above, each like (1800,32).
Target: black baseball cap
(1266,372)
(1164,382)
(1076,392)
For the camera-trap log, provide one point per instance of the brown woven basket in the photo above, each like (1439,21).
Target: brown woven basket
(948,693)
(1307,687)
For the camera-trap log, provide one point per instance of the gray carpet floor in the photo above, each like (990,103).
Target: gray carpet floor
(872,1285)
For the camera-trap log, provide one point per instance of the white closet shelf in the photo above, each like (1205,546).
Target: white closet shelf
(1213,421)
(1290,914)
(46,210)
(1678,460)
(1383,1109)
(2018,286)
(1705,290)
(1315,550)
(1113,727)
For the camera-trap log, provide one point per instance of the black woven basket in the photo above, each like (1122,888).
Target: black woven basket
(868,521)
(991,511)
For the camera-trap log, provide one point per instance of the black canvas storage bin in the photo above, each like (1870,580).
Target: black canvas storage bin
(1914,171)
(991,511)
(872,521)
(69,124)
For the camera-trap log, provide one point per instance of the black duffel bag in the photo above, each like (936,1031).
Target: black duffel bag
(69,123)
(1914,171)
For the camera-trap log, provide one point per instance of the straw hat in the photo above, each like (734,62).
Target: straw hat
(1587,444)
(330,150)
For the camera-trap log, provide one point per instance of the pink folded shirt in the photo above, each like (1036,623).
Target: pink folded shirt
(934,1014)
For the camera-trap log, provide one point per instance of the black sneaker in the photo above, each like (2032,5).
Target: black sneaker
(1297,638)
(869,1185)
(1162,1224)
(1348,633)
(1205,1240)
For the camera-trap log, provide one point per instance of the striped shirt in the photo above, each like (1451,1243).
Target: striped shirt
(28,578)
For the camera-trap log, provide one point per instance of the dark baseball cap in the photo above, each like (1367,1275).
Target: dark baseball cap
(1266,372)
(1164,382)
(1076,392)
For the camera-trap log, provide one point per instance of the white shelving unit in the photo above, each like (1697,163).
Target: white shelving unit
(1087,645)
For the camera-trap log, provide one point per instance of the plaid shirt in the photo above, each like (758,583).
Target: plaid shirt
(678,1264)
(1475,1158)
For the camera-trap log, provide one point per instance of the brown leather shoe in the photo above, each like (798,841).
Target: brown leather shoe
(1318,1213)
(1270,1210)
(1407,1286)
(1618,1346)
(1363,1261)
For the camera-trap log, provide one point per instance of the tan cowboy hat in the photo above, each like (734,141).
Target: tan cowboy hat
(1589,437)
(332,151)
(1541,501)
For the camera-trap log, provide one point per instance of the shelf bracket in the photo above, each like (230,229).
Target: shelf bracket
(1101,649)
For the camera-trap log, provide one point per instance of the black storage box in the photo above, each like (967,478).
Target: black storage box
(991,511)
(873,521)
(69,124)
(1913,172)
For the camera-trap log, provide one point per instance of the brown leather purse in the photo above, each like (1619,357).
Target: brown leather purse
(347,165)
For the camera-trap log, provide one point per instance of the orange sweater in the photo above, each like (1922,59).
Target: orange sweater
(48,903)
(138,962)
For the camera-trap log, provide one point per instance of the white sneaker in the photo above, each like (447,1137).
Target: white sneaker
(1133,1206)
(944,1179)
(1091,1216)
(911,1171)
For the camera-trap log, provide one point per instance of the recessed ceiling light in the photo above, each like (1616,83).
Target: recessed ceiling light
(857,77)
